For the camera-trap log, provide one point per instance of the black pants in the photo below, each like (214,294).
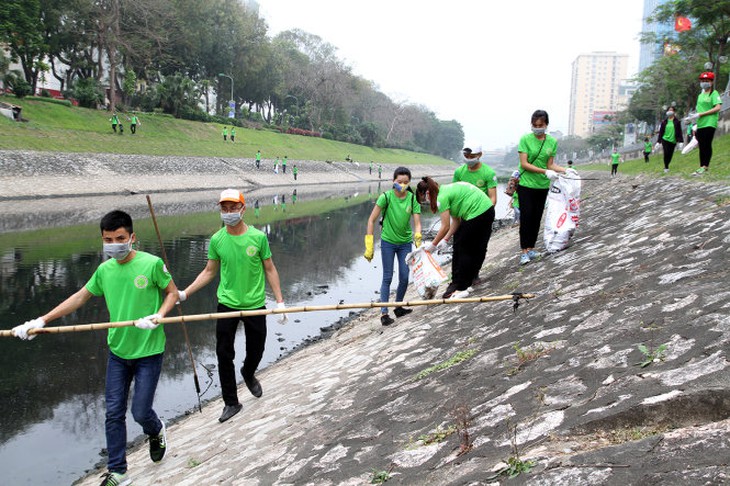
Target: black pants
(614,169)
(646,156)
(225,334)
(133,127)
(532,205)
(470,248)
(283,169)
(114,127)
(668,148)
(704,143)
(258,164)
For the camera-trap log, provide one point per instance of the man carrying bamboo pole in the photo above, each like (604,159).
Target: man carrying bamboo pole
(134,284)
(242,256)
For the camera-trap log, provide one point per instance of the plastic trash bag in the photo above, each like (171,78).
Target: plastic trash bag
(690,146)
(426,273)
(562,214)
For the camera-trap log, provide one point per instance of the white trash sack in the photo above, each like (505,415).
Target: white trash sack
(426,273)
(563,212)
(690,146)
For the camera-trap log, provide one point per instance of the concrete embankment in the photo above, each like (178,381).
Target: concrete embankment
(447,393)
(29,174)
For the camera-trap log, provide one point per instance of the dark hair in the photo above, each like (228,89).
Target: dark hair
(430,185)
(540,114)
(116,219)
(402,171)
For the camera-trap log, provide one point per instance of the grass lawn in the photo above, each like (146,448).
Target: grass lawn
(58,128)
(681,165)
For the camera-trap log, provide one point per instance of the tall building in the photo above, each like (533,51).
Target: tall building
(652,51)
(595,96)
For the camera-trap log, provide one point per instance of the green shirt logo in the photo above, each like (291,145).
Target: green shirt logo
(480,183)
(251,251)
(141,282)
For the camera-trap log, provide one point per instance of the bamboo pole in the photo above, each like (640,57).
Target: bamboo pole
(260,312)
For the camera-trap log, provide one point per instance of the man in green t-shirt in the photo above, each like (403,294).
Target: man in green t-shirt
(240,254)
(233,134)
(115,121)
(615,159)
(258,159)
(647,149)
(295,171)
(136,286)
(283,165)
(133,124)
(225,134)
(477,173)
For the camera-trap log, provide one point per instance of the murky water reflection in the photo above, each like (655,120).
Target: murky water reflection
(53,386)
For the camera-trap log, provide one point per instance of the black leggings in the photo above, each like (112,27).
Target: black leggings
(470,248)
(225,334)
(668,148)
(704,143)
(646,156)
(614,169)
(532,205)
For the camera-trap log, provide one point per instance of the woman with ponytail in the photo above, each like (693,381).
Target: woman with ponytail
(467,213)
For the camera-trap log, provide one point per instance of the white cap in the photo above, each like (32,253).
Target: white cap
(232,195)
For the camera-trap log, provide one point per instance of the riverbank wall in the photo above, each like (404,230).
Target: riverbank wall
(616,373)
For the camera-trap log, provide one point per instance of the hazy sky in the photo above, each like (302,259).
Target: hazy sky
(486,64)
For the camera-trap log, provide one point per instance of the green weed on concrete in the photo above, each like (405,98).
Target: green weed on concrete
(453,361)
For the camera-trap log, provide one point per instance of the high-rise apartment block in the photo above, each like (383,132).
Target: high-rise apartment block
(595,94)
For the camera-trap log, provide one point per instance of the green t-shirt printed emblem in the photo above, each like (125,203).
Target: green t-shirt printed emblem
(132,290)
(242,276)
(530,145)
(397,220)
(463,200)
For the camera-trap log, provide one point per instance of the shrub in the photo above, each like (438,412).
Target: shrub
(21,88)
(88,92)
(49,100)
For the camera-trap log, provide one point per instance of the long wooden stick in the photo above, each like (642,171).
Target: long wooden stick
(179,307)
(261,312)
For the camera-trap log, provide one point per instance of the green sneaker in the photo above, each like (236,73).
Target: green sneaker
(700,171)
(115,479)
(158,444)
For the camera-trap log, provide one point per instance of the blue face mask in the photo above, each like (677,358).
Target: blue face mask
(117,251)
(231,219)
(400,188)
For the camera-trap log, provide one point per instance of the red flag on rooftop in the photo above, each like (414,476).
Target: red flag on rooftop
(682,24)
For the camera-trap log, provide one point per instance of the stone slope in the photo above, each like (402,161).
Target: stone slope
(558,381)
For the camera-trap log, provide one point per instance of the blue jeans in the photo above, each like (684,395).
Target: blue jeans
(388,251)
(119,375)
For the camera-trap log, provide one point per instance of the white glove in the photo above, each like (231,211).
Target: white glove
(430,247)
(680,145)
(571,172)
(22,330)
(181,296)
(657,146)
(693,117)
(551,174)
(282,317)
(147,322)
(443,244)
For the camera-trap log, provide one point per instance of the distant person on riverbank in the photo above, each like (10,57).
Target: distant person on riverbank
(647,149)
(233,134)
(397,206)
(708,107)
(115,121)
(371,167)
(295,171)
(283,165)
(467,214)
(225,134)
(670,136)
(256,208)
(615,160)
(258,159)
(476,172)
(134,284)
(133,124)
(537,168)
(276,165)
(240,254)
(380,171)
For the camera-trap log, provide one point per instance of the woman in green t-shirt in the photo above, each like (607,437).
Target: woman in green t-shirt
(670,136)
(397,205)
(708,106)
(467,213)
(537,167)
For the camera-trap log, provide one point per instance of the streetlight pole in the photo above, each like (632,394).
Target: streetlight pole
(231,104)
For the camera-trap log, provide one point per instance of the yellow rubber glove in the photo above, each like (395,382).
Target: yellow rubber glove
(417,239)
(369,248)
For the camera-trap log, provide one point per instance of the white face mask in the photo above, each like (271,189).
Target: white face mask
(670,113)
(118,251)
(539,131)
(705,85)
(231,219)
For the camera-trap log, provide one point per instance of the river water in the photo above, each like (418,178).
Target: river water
(52,427)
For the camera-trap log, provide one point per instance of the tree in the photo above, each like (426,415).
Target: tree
(21,30)
(88,92)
